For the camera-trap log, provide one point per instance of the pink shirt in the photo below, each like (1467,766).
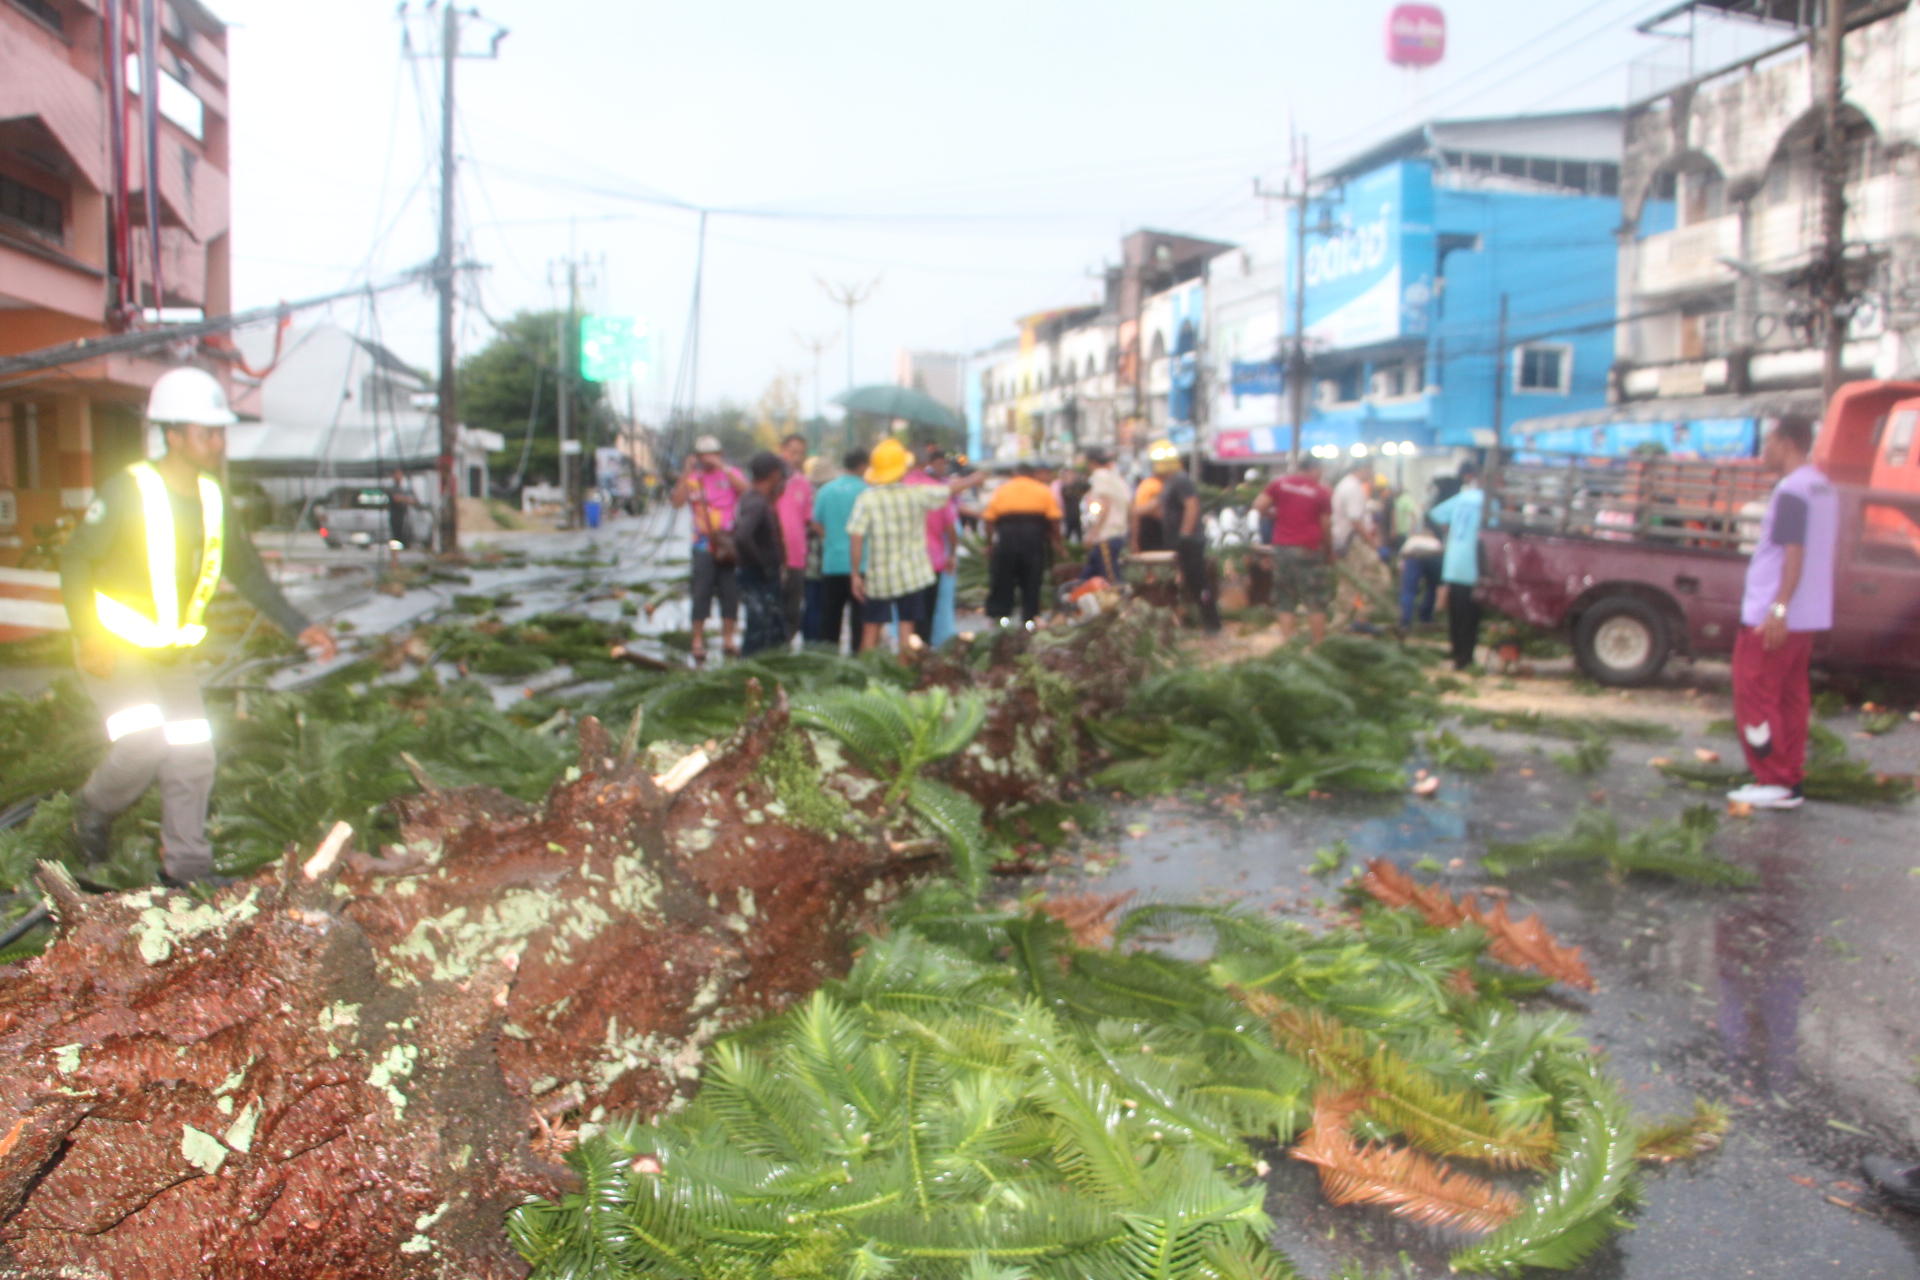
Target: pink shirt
(940,524)
(720,502)
(795,508)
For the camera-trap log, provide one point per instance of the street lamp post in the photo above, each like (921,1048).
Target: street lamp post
(849,296)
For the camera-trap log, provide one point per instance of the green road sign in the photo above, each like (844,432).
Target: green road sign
(615,349)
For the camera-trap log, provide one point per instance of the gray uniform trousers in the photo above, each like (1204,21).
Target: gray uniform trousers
(176,747)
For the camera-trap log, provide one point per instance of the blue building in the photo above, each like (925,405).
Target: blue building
(1409,257)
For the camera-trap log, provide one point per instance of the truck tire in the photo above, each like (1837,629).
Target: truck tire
(1622,641)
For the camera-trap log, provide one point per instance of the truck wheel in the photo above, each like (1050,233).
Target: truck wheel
(1622,641)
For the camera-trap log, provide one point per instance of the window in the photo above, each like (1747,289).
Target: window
(45,12)
(1479,164)
(1901,442)
(1547,171)
(26,446)
(1543,368)
(1573,173)
(1512,167)
(178,103)
(32,208)
(1889,535)
(1609,179)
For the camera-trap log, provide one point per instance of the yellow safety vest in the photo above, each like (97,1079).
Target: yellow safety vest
(168,626)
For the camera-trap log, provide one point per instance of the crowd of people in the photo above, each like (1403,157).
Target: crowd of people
(797,547)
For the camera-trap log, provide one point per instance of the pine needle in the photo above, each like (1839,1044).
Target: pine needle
(1088,916)
(1524,944)
(1408,1184)
(1684,1137)
(1434,1117)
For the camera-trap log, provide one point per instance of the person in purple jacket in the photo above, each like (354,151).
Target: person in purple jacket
(1788,600)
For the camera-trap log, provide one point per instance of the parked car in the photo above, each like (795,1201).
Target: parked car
(362,516)
(1638,560)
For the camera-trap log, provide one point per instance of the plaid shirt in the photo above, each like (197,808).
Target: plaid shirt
(892,519)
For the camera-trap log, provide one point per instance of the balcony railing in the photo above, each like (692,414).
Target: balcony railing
(1689,257)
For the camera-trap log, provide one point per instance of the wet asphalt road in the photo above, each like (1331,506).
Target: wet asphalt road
(1796,1003)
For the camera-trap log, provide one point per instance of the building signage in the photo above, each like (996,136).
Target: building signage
(1369,264)
(1716,438)
(1416,35)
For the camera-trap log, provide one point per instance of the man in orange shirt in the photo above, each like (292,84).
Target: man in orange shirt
(1023,524)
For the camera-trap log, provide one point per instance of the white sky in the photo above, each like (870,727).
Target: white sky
(982,159)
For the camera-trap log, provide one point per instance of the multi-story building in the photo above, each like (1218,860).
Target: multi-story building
(1416,249)
(1721,232)
(1101,374)
(76,243)
(937,373)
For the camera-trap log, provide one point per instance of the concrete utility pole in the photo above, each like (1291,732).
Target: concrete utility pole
(1499,386)
(1292,356)
(444,266)
(1833,293)
(443,282)
(567,322)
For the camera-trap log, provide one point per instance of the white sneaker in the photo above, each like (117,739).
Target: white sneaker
(1766,796)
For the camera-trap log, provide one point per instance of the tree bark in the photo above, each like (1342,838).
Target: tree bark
(356,1071)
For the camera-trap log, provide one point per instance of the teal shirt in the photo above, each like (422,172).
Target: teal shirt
(1460,515)
(831,507)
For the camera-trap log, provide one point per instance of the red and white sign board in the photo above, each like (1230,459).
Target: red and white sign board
(1416,35)
(30,604)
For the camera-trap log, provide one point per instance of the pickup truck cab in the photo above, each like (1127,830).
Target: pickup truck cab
(1645,558)
(362,516)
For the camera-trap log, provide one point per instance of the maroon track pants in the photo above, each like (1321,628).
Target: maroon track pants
(1771,703)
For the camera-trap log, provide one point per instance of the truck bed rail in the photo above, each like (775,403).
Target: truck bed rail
(1708,506)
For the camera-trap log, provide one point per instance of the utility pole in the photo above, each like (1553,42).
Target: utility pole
(567,322)
(849,296)
(443,282)
(1833,293)
(444,266)
(1292,356)
(1499,388)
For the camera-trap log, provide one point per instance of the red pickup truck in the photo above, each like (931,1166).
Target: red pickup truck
(1640,560)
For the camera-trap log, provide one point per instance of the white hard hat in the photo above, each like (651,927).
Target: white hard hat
(189,395)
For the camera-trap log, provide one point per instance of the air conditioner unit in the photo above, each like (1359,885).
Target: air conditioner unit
(1384,384)
(1326,391)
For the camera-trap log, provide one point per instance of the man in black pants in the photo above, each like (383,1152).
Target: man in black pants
(1180,515)
(832,507)
(1023,525)
(1461,516)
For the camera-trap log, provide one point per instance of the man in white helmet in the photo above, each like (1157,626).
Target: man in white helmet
(137,576)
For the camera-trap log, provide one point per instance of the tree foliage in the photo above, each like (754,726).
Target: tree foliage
(983,1097)
(496,388)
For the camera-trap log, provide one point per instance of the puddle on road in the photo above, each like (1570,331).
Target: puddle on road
(1738,996)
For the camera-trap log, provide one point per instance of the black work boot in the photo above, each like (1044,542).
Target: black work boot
(1897,1183)
(92,831)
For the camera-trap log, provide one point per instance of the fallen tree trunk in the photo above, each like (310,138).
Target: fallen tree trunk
(355,1068)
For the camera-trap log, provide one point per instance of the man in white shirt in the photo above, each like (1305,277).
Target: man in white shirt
(1355,548)
(1108,517)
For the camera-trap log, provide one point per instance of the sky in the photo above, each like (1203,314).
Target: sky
(978,162)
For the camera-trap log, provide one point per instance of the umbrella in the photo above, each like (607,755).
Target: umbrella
(884,400)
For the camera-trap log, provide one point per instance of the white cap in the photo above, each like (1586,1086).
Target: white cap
(189,395)
(706,444)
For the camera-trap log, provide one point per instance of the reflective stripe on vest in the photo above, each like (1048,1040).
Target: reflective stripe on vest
(168,626)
